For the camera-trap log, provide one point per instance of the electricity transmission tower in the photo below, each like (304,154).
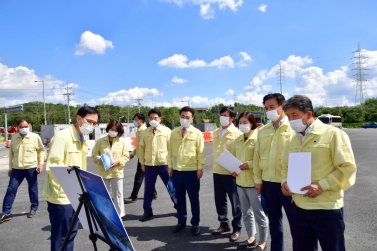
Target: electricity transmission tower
(280,75)
(69,98)
(360,76)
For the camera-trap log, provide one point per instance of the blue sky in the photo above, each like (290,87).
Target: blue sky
(169,51)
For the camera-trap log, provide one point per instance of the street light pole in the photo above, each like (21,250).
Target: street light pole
(44,103)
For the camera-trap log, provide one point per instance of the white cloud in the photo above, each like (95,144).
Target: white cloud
(94,43)
(229,92)
(18,86)
(180,61)
(262,8)
(223,62)
(207,9)
(267,87)
(124,97)
(245,58)
(333,88)
(176,81)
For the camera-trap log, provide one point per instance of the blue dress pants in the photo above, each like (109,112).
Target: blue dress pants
(325,226)
(275,200)
(60,220)
(226,185)
(187,181)
(151,173)
(18,175)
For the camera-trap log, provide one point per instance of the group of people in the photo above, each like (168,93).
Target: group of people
(257,193)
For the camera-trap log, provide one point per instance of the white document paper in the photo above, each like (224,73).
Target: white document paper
(71,187)
(299,171)
(229,162)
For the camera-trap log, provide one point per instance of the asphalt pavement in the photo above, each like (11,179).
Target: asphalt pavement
(360,211)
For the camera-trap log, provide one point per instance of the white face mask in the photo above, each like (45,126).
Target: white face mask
(273,115)
(185,122)
(297,125)
(154,123)
(113,134)
(24,131)
(224,121)
(85,128)
(244,128)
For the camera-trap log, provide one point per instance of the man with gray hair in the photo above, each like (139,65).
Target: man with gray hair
(318,214)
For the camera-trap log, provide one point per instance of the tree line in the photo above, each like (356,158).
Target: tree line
(58,113)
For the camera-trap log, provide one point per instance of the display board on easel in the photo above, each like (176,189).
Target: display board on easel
(100,216)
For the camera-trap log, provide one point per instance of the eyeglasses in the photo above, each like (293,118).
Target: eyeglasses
(91,122)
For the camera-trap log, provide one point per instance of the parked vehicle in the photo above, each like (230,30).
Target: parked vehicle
(332,120)
(369,125)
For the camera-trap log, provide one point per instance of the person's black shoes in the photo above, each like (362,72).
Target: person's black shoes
(145,216)
(179,227)
(195,230)
(129,200)
(155,196)
(5,217)
(246,244)
(31,214)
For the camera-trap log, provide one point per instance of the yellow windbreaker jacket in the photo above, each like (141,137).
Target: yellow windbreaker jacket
(26,153)
(119,151)
(187,153)
(139,132)
(333,165)
(153,149)
(268,149)
(244,151)
(65,150)
(220,144)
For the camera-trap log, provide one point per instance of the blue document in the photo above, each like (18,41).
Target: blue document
(107,160)
(171,190)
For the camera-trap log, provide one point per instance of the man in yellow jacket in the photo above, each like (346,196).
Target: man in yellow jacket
(26,157)
(67,148)
(223,181)
(139,123)
(153,153)
(318,213)
(267,167)
(186,161)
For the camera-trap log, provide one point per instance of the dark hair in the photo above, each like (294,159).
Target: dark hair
(140,116)
(232,113)
(85,110)
(187,109)
(249,116)
(20,120)
(118,125)
(154,111)
(279,98)
(301,102)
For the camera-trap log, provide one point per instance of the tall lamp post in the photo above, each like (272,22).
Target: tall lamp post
(44,103)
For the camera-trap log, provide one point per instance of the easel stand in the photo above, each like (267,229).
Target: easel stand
(91,215)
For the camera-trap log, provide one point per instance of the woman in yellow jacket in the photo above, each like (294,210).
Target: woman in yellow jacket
(252,211)
(113,177)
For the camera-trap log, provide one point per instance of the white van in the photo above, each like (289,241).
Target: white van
(332,120)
